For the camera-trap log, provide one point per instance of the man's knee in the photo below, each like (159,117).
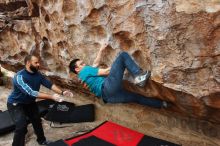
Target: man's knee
(21,128)
(123,54)
(21,131)
(37,120)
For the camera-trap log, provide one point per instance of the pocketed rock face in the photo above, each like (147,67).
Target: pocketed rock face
(1,78)
(178,40)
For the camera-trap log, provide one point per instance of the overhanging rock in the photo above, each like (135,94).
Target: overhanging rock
(178,41)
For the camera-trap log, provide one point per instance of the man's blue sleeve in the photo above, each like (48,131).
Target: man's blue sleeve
(45,82)
(24,87)
(93,71)
(86,72)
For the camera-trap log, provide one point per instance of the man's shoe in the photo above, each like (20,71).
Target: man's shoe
(141,79)
(46,142)
(166,104)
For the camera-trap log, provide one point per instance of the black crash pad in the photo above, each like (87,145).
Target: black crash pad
(7,124)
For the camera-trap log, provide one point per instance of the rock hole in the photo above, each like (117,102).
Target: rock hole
(123,38)
(47,19)
(46,2)
(69,6)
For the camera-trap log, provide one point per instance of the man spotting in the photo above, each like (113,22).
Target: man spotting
(21,102)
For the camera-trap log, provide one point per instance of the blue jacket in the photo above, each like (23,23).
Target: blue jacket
(26,86)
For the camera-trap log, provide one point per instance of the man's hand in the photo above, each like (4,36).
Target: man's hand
(96,62)
(103,46)
(57,98)
(67,93)
(104,72)
(85,86)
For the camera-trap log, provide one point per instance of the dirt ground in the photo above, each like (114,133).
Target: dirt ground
(152,122)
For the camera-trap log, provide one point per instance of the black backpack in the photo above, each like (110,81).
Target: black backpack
(67,112)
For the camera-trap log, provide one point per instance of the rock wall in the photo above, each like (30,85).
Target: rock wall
(178,40)
(1,77)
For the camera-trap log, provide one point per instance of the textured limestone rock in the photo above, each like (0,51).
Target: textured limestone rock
(177,40)
(1,77)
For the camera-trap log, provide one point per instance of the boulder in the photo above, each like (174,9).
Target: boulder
(177,40)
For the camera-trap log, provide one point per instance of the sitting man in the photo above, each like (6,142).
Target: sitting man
(107,83)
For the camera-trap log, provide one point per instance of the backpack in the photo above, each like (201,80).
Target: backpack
(67,112)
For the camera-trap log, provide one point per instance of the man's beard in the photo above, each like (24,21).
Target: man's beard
(33,68)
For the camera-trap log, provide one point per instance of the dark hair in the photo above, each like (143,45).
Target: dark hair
(28,58)
(73,65)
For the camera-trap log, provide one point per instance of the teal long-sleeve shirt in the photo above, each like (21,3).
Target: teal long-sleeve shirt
(89,75)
